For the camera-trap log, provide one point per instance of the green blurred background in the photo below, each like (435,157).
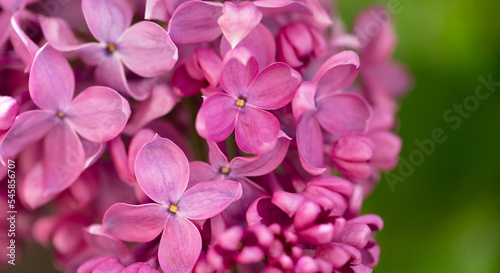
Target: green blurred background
(445,216)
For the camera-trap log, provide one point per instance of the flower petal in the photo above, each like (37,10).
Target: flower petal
(9,109)
(29,127)
(274,87)
(180,246)
(195,22)
(96,236)
(138,141)
(162,170)
(375,31)
(147,50)
(140,223)
(64,158)
(51,81)
(304,98)
(336,73)
(99,113)
(239,69)
(161,101)
(310,143)
(156,10)
(256,130)
(261,164)
(215,156)
(238,20)
(207,199)
(260,41)
(200,171)
(119,157)
(343,113)
(216,117)
(107,19)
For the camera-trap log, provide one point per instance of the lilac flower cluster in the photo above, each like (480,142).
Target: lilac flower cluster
(111,108)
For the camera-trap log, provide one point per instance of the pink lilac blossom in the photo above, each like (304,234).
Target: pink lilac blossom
(243,138)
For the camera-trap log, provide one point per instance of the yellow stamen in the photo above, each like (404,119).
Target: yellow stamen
(111,48)
(224,170)
(240,102)
(60,114)
(240,246)
(173,208)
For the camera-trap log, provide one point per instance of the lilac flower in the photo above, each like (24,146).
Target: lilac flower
(162,171)
(97,114)
(298,43)
(320,103)
(247,94)
(351,156)
(200,22)
(238,170)
(144,48)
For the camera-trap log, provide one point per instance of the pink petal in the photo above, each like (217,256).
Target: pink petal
(387,148)
(119,158)
(216,117)
(4,27)
(64,158)
(338,72)
(318,234)
(304,98)
(390,78)
(200,171)
(271,7)
(353,148)
(162,170)
(161,101)
(25,48)
(306,215)
(99,113)
(343,113)
(207,199)
(95,236)
(51,81)
(180,246)
(140,268)
(288,202)
(238,20)
(135,223)
(256,130)
(156,10)
(195,22)
(354,234)
(310,143)
(9,109)
(32,192)
(261,164)
(107,19)
(274,87)
(260,41)
(374,29)
(215,156)
(60,36)
(29,127)
(11,6)
(239,69)
(138,141)
(147,50)
(210,64)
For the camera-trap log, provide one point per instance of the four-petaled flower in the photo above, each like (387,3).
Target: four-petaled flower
(162,171)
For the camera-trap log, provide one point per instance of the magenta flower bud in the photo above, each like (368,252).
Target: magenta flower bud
(9,109)
(351,156)
(239,245)
(298,43)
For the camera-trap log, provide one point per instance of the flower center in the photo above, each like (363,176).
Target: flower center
(240,246)
(224,170)
(173,208)
(60,114)
(240,102)
(111,48)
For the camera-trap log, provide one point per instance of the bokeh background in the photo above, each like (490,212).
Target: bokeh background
(445,215)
